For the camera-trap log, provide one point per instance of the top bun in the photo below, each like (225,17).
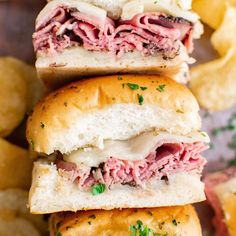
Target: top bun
(179,220)
(87,112)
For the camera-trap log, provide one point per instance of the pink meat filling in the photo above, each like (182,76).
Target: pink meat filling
(211,181)
(167,159)
(148,33)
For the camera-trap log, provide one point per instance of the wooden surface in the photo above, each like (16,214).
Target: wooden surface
(17,23)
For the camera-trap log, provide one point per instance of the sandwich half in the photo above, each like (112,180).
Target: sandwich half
(221,195)
(168,221)
(117,142)
(75,38)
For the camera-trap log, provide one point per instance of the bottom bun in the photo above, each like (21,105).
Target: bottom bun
(181,220)
(72,63)
(51,192)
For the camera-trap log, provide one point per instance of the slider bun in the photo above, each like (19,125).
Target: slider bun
(77,62)
(118,222)
(51,191)
(90,111)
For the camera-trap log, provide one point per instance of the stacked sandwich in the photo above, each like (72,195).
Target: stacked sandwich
(118,154)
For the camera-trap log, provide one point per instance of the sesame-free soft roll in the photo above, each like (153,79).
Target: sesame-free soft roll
(80,38)
(163,221)
(114,142)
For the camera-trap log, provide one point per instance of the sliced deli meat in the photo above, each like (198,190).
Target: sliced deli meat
(148,33)
(168,158)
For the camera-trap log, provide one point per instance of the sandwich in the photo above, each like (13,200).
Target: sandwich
(116,142)
(75,38)
(221,195)
(169,221)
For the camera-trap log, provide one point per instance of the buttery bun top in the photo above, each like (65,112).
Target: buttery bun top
(169,221)
(87,112)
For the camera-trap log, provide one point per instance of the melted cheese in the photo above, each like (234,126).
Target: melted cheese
(137,148)
(177,8)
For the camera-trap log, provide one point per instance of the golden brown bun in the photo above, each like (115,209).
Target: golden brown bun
(83,112)
(165,221)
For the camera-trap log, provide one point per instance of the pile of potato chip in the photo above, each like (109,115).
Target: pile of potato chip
(19,91)
(214,83)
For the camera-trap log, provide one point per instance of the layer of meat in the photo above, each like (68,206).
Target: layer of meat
(148,33)
(167,159)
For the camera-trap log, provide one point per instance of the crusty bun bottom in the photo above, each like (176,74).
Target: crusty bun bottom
(51,191)
(169,221)
(77,62)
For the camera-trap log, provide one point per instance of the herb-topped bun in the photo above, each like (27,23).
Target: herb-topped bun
(133,138)
(91,111)
(169,221)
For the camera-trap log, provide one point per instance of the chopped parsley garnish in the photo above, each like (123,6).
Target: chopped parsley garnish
(133,86)
(42,125)
(155,2)
(119,78)
(58,234)
(140,99)
(98,189)
(31,142)
(89,222)
(143,230)
(203,134)
(161,88)
(174,222)
(143,88)
(92,217)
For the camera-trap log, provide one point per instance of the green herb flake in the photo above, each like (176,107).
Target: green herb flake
(133,230)
(133,86)
(203,134)
(92,217)
(31,142)
(119,78)
(89,222)
(142,230)
(140,99)
(161,88)
(143,88)
(174,222)
(58,234)
(42,125)
(98,189)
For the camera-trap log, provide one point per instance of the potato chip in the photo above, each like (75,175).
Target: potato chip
(14,212)
(18,227)
(13,98)
(35,87)
(19,91)
(224,37)
(211,11)
(15,167)
(214,83)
